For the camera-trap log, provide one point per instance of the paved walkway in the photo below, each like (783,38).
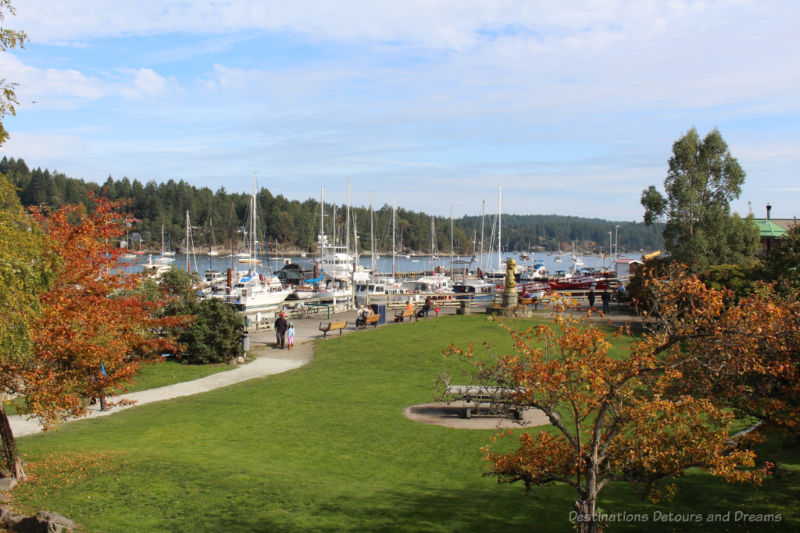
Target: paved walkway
(268,360)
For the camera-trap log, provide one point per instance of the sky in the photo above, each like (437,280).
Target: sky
(572,107)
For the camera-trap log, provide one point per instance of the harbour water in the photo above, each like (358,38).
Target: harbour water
(402,264)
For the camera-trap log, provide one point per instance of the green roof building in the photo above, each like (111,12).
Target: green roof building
(772,230)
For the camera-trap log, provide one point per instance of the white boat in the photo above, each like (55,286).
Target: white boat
(322,288)
(478,289)
(156,266)
(166,258)
(536,271)
(255,292)
(215,277)
(258,292)
(334,261)
(427,284)
(377,289)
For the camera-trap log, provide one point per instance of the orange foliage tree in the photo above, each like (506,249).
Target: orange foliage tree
(95,327)
(617,418)
(741,353)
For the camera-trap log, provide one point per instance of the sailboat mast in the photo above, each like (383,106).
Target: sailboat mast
(433,237)
(499,228)
(321,214)
(188,229)
(233,250)
(394,225)
(452,242)
(371,237)
(483,218)
(253,249)
(211,230)
(347,221)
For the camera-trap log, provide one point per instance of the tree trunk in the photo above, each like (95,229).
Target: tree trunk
(11,459)
(586,520)
(587,507)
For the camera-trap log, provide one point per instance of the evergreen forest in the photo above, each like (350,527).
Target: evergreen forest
(218,217)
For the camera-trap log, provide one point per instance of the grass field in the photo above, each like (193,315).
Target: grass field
(326,448)
(150,376)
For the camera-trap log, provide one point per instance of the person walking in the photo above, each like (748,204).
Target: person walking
(290,335)
(280,331)
(428,306)
(591,298)
(606,297)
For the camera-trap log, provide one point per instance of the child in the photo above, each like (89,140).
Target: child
(290,335)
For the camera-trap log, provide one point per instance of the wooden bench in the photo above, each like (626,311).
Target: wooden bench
(372,320)
(530,301)
(481,396)
(325,327)
(400,316)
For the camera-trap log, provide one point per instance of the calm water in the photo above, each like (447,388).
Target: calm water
(201,263)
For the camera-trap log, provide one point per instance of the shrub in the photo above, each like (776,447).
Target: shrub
(215,336)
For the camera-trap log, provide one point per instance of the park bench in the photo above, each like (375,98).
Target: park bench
(325,327)
(400,316)
(372,320)
(494,399)
(530,301)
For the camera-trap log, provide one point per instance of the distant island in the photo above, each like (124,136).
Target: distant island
(291,226)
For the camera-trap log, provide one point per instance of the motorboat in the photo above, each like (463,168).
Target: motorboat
(428,284)
(477,289)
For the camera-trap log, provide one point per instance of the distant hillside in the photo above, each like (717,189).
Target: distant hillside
(291,224)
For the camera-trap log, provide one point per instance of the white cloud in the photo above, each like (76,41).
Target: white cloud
(44,147)
(144,82)
(451,24)
(49,85)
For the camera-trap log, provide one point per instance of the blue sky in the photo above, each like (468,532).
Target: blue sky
(573,110)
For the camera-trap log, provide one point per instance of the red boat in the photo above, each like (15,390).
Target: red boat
(582,282)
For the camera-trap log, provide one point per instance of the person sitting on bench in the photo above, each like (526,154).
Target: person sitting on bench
(361,318)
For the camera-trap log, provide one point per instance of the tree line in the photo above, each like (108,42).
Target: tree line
(217,217)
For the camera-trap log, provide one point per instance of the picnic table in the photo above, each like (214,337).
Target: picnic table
(491,398)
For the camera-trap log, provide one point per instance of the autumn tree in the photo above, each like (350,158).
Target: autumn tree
(744,357)
(95,328)
(24,275)
(703,178)
(617,418)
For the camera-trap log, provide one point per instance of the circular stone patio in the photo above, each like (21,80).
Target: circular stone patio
(452,416)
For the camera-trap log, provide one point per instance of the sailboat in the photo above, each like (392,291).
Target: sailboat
(254,291)
(436,281)
(168,251)
(211,251)
(497,274)
(375,288)
(159,264)
(335,261)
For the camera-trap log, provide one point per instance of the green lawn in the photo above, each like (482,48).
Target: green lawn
(150,376)
(326,448)
(169,371)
